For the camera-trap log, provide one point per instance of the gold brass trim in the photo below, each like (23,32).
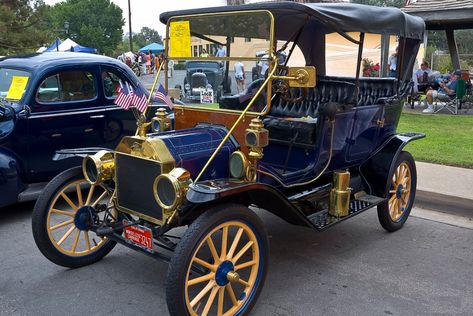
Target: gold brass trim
(180,180)
(270,43)
(163,119)
(300,77)
(340,194)
(104,163)
(151,148)
(256,137)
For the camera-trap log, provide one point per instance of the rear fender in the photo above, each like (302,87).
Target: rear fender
(76,152)
(379,167)
(259,194)
(11,183)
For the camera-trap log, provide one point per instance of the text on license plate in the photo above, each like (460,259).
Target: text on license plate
(139,235)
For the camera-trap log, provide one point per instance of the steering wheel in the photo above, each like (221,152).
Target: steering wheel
(281,87)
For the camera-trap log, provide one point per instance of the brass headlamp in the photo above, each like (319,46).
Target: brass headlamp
(170,189)
(99,167)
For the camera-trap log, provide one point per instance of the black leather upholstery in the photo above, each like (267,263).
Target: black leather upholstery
(240,101)
(325,91)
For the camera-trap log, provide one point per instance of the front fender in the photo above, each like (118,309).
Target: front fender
(247,193)
(76,152)
(11,183)
(379,167)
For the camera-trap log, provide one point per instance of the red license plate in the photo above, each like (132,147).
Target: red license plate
(139,235)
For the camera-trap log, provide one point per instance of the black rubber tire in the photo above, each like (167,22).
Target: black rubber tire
(39,225)
(176,276)
(383,209)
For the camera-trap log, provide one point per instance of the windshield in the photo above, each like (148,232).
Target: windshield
(219,61)
(13,83)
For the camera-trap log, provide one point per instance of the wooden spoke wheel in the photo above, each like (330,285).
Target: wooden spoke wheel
(219,265)
(58,226)
(393,213)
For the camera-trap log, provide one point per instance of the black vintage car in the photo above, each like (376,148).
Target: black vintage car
(67,102)
(204,75)
(314,150)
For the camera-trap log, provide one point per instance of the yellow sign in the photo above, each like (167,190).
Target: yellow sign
(17,87)
(179,39)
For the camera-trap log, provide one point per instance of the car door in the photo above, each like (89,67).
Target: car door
(66,112)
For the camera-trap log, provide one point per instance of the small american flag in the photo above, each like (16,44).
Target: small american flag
(139,100)
(125,95)
(162,96)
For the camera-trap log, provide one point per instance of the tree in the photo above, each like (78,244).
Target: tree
(93,23)
(382,3)
(23,26)
(147,35)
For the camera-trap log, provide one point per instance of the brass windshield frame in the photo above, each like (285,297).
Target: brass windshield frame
(270,59)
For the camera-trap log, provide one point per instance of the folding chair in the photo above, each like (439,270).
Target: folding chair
(455,103)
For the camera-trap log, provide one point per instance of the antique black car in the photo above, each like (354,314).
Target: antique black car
(53,101)
(312,148)
(202,76)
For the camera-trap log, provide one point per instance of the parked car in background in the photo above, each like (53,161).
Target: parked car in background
(53,101)
(203,75)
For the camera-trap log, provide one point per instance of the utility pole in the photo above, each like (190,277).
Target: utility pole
(129,27)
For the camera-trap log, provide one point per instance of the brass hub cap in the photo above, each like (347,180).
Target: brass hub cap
(231,269)
(400,191)
(62,230)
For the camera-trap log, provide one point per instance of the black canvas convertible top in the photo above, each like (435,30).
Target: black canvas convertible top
(334,17)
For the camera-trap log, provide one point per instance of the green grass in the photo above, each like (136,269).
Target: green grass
(449,138)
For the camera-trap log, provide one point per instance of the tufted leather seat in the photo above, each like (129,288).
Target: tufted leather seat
(325,91)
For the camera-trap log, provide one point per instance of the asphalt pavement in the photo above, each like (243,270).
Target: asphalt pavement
(355,268)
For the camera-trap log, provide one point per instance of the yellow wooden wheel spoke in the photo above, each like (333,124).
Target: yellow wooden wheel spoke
(67,213)
(202,293)
(245,265)
(99,198)
(64,237)
(87,240)
(68,200)
(229,289)
(201,279)
(221,299)
(242,251)
(79,195)
(393,197)
(392,191)
(89,196)
(223,254)
(65,223)
(213,250)
(76,241)
(211,299)
(203,263)
(243,282)
(235,242)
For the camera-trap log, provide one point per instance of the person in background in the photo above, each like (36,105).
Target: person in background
(221,51)
(153,57)
(240,76)
(148,62)
(204,53)
(424,72)
(157,62)
(445,93)
(392,64)
(170,68)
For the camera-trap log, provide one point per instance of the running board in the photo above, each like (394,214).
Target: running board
(323,220)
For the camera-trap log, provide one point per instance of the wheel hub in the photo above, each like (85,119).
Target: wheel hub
(399,191)
(84,217)
(225,273)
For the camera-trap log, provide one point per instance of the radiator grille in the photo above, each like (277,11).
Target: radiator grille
(135,177)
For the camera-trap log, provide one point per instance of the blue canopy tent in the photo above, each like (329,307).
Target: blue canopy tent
(69,46)
(153,47)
